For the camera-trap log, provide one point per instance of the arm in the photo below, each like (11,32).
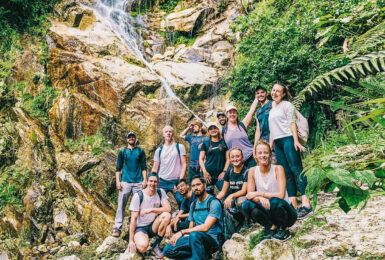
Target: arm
(227,165)
(257,136)
(184,133)
(184,164)
(143,166)
(249,117)
(206,174)
(281,183)
(134,217)
(155,167)
(118,178)
(224,190)
(251,193)
(165,208)
(294,131)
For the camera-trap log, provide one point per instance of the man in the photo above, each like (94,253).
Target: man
(222,119)
(181,220)
(170,163)
(131,176)
(202,238)
(262,115)
(150,216)
(195,142)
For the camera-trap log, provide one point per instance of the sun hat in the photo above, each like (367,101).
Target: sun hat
(231,107)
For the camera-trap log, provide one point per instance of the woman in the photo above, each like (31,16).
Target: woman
(235,132)
(213,159)
(284,137)
(267,200)
(234,187)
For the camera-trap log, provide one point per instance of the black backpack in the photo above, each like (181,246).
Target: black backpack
(140,193)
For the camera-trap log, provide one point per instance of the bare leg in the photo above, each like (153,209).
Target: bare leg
(141,241)
(160,224)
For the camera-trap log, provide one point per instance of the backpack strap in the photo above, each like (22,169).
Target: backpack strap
(140,194)
(243,126)
(160,152)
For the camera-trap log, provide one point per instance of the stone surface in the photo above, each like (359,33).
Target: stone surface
(72,257)
(271,250)
(129,256)
(111,245)
(235,247)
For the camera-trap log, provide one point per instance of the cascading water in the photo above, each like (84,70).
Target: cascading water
(116,14)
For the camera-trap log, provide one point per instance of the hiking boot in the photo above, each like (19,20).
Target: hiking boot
(282,235)
(116,233)
(157,252)
(269,233)
(302,212)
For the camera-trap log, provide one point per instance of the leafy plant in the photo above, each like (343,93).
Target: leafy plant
(168,5)
(96,144)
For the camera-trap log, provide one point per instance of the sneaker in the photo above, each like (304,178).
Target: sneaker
(116,233)
(282,235)
(157,252)
(302,212)
(269,234)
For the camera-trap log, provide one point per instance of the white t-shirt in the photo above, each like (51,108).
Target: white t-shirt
(280,118)
(149,202)
(170,161)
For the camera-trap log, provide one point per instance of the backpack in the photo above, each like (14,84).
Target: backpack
(221,237)
(302,128)
(240,123)
(160,152)
(140,193)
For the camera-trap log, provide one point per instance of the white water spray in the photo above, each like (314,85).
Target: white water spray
(116,14)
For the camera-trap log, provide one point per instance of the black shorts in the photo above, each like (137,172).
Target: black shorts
(146,230)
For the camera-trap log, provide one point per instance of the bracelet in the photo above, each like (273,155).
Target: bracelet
(181,232)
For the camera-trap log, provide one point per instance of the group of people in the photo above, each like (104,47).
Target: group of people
(231,182)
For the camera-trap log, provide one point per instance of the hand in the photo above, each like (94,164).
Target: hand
(299,146)
(227,202)
(250,195)
(144,184)
(174,189)
(168,231)
(144,212)
(220,177)
(207,176)
(132,247)
(119,185)
(271,143)
(265,202)
(175,238)
(176,221)
(190,126)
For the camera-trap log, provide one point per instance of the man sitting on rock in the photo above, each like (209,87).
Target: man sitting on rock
(202,238)
(150,216)
(181,220)
(131,176)
(170,163)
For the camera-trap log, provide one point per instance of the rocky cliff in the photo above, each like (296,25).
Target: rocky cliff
(94,88)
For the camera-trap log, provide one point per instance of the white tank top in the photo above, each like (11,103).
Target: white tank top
(267,183)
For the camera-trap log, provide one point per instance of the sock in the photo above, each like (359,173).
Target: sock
(157,241)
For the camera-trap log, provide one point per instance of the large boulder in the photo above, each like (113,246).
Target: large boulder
(271,250)
(111,245)
(235,248)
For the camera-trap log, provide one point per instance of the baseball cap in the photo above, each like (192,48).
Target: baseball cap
(231,107)
(130,133)
(221,113)
(198,123)
(260,87)
(212,124)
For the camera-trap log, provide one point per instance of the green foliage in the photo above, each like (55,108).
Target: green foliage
(177,38)
(96,144)
(255,239)
(13,181)
(39,105)
(168,5)
(89,179)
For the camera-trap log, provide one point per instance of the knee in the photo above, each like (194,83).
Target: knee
(167,251)
(142,246)
(247,206)
(165,217)
(195,236)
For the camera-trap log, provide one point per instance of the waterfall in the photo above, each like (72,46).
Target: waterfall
(116,14)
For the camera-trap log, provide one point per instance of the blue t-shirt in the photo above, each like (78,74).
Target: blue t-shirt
(133,162)
(200,213)
(186,203)
(195,142)
(263,120)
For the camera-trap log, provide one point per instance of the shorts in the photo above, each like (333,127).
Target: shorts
(146,230)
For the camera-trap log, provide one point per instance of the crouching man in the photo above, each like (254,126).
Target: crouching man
(202,238)
(150,216)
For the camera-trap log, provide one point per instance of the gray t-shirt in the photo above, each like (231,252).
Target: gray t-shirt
(170,162)
(238,137)
(148,202)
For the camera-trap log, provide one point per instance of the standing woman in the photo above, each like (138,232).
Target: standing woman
(235,132)
(267,200)
(284,137)
(213,159)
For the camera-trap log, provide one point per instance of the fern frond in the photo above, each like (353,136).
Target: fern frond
(335,105)
(360,67)
(371,38)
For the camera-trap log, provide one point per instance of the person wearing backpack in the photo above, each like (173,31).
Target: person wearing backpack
(235,132)
(233,193)
(195,142)
(131,176)
(213,159)
(203,237)
(150,216)
(170,164)
(284,140)
(262,115)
